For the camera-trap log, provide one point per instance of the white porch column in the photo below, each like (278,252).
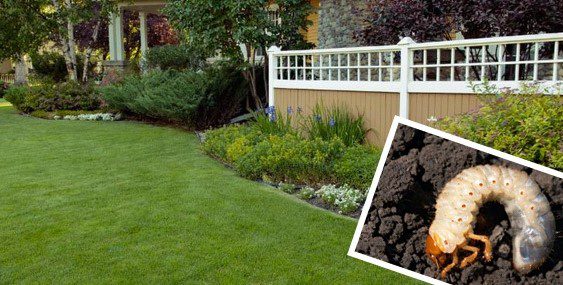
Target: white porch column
(111,34)
(116,51)
(120,51)
(143,28)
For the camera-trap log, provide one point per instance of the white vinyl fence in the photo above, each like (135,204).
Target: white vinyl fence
(434,67)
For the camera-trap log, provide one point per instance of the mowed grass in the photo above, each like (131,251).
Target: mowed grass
(4,103)
(124,202)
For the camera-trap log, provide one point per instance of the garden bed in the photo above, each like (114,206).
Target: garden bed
(416,169)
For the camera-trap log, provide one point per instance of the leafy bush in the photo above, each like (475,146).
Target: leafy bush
(289,158)
(527,124)
(326,123)
(217,141)
(287,188)
(52,65)
(197,99)
(357,166)
(162,95)
(345,198)
(223,97)
(3,87)
(47,97)
(177,57)
(306,193)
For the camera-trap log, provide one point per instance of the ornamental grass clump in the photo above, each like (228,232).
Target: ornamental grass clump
(337,121)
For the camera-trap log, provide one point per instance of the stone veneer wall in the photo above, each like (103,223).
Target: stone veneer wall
(337,22)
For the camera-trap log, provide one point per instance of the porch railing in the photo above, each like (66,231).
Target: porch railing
(434,67)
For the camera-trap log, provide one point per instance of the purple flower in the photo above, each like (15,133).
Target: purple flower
(273,117)
(271,110)
(289,110)
(504,123)
(317,117)
(331,122)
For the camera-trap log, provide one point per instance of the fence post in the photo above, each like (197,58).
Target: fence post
(405,76)
(272,73)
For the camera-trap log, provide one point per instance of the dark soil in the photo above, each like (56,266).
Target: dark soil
(416,169)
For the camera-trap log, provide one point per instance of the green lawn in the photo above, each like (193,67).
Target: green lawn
(4,103)
(106,202)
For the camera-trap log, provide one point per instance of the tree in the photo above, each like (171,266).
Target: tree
(41,20)
(429,20)
(72,12)
(237,29)
(25,27)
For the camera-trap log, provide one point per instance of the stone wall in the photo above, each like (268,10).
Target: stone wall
(338,20)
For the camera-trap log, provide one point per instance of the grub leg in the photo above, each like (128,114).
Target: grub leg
(451,265)
(488,252)
(469,259)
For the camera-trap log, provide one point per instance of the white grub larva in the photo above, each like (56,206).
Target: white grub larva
(457,206)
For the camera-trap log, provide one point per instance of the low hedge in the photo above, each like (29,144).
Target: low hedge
(51,97)
(195,99)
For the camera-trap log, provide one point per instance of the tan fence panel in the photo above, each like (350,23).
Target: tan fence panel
(422,106)
(378,109)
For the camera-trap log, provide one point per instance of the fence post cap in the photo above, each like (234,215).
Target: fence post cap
(406,41)
(274,49)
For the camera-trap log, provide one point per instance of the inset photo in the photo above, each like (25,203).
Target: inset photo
(443,209)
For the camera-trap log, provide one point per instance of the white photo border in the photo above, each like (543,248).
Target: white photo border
(365,210)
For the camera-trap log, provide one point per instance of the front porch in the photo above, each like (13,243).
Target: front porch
(117,56)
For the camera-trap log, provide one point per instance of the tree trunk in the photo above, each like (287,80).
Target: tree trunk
(21,71)
(250,75)
(67,43)
(88,52)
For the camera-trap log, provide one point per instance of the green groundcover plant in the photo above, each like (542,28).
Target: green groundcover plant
(525,123)
(269,148)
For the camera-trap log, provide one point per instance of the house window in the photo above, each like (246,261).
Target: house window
(274,13)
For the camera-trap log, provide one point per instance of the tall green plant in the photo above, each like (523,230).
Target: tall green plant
(337,121)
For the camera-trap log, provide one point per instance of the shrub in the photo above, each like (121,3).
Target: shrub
(306,193)
(217,141)
(224,94)
(326,123)
(290,158)
(197,99)
(16,95)
(162,95)
(527,124)
(357,166)
(345,198)
(287,188)
(52,65)
(3,87)
(62,96)
(177,57)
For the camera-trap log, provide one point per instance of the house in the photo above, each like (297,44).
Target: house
(332,23)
